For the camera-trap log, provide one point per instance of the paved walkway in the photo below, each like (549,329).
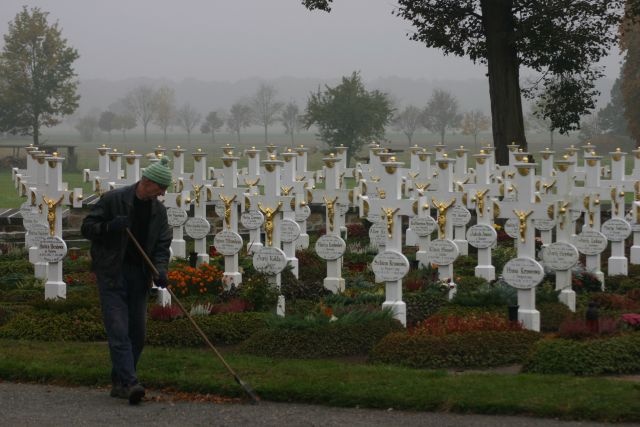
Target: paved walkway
(47,405)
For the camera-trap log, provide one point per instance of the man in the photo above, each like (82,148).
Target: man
(123,276)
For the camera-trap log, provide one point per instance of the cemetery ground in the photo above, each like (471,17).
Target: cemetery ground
(464,354)
(342,350)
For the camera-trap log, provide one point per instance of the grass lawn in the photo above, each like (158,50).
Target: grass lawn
(333,382)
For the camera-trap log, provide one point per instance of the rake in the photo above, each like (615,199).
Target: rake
(246,387)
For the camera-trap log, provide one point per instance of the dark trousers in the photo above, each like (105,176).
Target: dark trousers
(123,299)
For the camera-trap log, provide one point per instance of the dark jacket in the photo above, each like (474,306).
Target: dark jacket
(108,249)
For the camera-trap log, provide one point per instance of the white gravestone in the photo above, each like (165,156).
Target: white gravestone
(330,247)
(197,227)
(228,242)
(390,266)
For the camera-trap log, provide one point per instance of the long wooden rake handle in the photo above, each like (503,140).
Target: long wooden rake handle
(247,388)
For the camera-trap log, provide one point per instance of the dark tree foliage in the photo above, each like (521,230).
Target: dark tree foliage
(611,118)
(559,39)
(630,75)
(348,114)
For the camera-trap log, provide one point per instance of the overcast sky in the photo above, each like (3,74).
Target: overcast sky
(229,40)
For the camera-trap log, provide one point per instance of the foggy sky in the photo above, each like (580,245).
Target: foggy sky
(230,40)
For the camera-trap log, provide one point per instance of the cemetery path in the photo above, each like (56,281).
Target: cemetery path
(49,405)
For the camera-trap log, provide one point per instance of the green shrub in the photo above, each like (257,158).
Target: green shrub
(465,266)
(552,314)
(546,291)
(477,292)
(352,334)
(45,325)
(257,291)
(227,328)
(310,288)
(15,266)
(5,315)
(478,349)
(421,305)
(615,355)
(620,284)
(501,254)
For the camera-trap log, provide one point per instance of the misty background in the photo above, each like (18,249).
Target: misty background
(214,53)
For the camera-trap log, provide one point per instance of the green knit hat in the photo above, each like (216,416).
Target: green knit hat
(159,172)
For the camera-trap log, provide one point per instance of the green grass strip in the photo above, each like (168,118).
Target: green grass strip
(334,383)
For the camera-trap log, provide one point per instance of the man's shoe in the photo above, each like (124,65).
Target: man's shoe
(135,394)
(119,391)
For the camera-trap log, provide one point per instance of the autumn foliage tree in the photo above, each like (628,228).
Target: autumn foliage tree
(38,84)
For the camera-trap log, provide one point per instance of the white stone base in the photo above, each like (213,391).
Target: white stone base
(617,266)
(530,319)
(421,257)
(411,238)
(163,297)
(463,247)
(334,284)
(399,310)
(40,270)
(253,248)
(568,298)
(281,306)
(293,262)
(487,272)
(202,259)
(55,290)
(179,248)
(231,278)
(302,242)
(634,255)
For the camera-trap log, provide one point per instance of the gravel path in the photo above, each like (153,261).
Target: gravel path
(48,405)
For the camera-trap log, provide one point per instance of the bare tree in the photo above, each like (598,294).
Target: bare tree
(538,122)
(265,107)
(290,119)
(124,119)
(474,122)
(408,121)
(106,122)
(212,123)
(441,113)
(141,103)
(187,118)
(239,118)
(88,127)
(165,109)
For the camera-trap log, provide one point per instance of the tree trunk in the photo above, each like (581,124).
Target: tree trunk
(36,133)
(504,84)
(145,132)
(265,133)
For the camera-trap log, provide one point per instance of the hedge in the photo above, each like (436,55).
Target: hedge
(227,328)
(614,355)
(476,349)
(45,325)
(334,339)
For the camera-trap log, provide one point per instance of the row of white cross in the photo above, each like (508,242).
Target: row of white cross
(436,192)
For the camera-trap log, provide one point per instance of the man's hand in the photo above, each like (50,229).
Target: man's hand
(118,223)
(162,280)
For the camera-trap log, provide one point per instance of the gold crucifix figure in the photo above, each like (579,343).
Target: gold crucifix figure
(228,202)
(522,217)
(51,213)
(269,214)
(479,199)
(331,211)
(388,214)
(196,190)
(442,207)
